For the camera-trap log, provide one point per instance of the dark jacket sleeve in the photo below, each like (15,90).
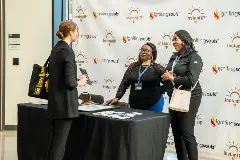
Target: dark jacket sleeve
(160,69)
(69,62)
(193,72)
(124,83)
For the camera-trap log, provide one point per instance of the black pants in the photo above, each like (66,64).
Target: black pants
(60,131)
(183,131)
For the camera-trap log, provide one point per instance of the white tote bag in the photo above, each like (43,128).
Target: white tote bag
(180,100)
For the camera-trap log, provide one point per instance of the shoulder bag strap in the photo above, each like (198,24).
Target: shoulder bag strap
(46,63)
(195,85)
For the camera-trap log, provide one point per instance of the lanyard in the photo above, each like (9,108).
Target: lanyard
(139,71)
(175,62)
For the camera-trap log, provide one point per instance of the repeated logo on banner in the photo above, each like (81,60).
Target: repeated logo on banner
(196,14)
(154,15)
(109,84)
(134,14)
(81,57)
(127,39)
(107,14)
(130,59)
(81,13)
(166,40)
(234,44)
(110,40)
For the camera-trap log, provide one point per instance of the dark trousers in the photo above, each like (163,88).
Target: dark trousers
(183,131)
(60,131)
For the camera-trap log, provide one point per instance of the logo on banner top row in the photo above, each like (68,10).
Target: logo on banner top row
(81,13)
(108,14)
(220,14)
(154,15)
(195,14)
(134,15)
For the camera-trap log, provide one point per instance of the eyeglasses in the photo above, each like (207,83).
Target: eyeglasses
(144,50)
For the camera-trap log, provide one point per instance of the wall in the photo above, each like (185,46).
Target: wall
(33,20)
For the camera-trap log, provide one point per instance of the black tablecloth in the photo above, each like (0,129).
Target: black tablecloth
(93,137)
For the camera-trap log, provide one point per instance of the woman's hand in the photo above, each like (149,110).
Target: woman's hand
(82,80)
(80,101)
(167,75)
(112,101)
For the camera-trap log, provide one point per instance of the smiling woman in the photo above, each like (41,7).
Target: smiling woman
(143,77)
(185,66)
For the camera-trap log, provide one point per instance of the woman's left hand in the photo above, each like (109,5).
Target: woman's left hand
(167,75)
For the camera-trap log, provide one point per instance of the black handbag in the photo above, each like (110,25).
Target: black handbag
(91,98)
(38,86)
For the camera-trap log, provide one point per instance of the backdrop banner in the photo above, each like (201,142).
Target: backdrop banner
(113,31)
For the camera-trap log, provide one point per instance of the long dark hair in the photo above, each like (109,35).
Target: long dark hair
(187,40)
(154,56)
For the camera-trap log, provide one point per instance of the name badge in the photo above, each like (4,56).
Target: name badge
(138,86)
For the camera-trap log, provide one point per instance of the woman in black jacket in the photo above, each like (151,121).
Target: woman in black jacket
(63,83)
(184,68)
(144,77)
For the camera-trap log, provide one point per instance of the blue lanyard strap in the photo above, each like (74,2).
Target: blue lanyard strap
(139,71)
(175,62)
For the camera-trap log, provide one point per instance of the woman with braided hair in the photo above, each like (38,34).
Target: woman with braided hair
(183,69)
(144,77)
